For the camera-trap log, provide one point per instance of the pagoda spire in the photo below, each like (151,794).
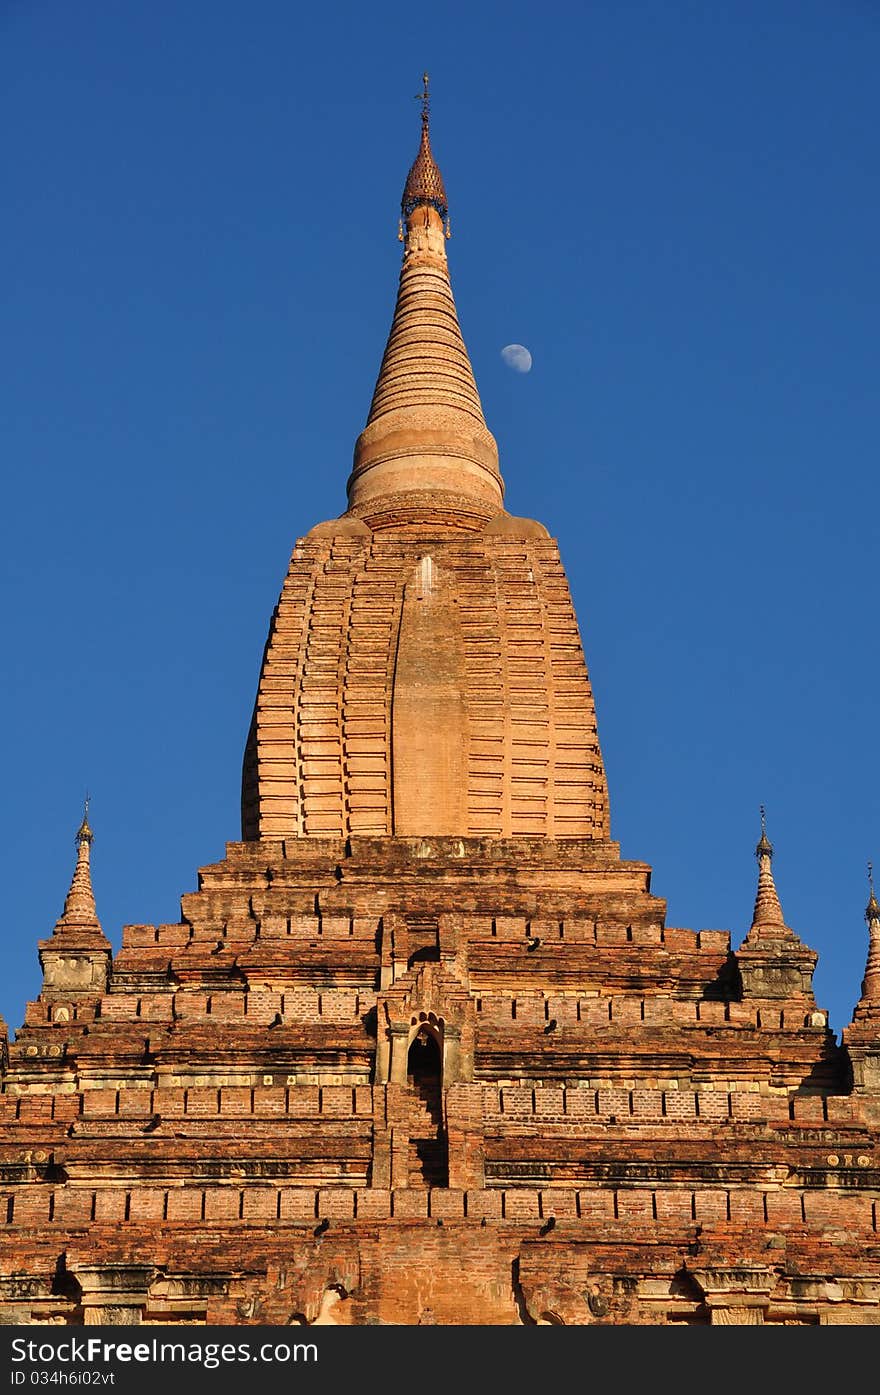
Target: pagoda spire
(425,451)
(871,981)
(76,957)
(79,918)
(773,961)
(862,1037)
(768,910)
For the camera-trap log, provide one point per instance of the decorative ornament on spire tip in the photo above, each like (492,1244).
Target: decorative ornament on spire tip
(872,910)
(84,833)
(424,183)
(765,847)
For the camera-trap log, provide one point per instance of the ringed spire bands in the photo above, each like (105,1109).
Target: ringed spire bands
(426,441)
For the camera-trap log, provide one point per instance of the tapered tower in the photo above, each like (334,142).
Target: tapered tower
(424,672)
(422,1046)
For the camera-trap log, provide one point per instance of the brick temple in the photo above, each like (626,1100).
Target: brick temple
(422,1048)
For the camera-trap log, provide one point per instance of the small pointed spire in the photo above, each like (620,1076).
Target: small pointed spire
(76,957)
(768,910)
(872,910)
(773,961)
(871,981)
(80,912)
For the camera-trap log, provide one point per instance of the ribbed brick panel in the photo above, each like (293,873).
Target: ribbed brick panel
(320,757)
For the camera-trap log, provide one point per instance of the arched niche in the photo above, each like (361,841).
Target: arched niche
(424,1061)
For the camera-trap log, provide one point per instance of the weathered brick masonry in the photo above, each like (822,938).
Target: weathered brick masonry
(422,1048)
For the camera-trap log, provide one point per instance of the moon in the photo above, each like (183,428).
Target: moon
(517,357)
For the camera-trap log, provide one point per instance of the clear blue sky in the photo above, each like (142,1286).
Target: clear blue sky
(674,205)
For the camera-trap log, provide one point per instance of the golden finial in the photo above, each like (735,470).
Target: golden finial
(872,911)
(765,847)
(424,183)
(84,833)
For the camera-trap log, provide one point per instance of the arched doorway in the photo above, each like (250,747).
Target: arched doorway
(428,1156)
(423,1064)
